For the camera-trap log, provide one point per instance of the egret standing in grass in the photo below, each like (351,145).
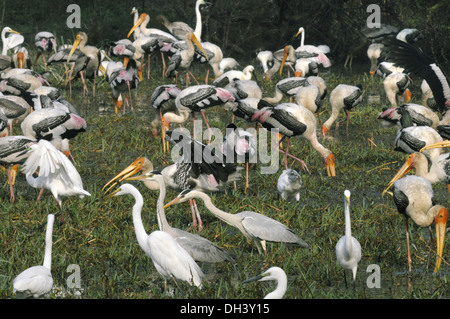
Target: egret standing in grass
(37,281)
(348,248)
(273,273)
(169,258)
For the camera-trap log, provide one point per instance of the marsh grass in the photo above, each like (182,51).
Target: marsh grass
(98,234)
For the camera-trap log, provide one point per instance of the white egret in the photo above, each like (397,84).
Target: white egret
(37,281)
(348,248)
(273,273)
(169,258)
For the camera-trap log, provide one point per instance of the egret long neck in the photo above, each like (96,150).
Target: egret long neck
(48,244)
(141,234)
(348,227)
(198,25)
(162,220)
(279,292)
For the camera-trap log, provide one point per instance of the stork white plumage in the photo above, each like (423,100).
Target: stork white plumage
(254,226)
(373,53)
(37,281)
(273,273)
(56,172)
(228,77)
(286,87)
(169,258)
(396,85)
(44,42)
(348,248)
(420,115)
(414,198)
(344,97)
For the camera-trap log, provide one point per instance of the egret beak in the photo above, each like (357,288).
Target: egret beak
(172,202)
(256,278)
(132,169)
(285,55)
(298,33)
(330,165)
(407,96)
(198,44)
(74,47)
(13,31)
(407,166)
(113,193)
(20,58)
(137,24)
(440,222)
(445,143)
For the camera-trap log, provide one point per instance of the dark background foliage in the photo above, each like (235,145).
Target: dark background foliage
(241,27)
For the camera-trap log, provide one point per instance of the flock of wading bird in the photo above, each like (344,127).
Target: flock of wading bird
(49,121)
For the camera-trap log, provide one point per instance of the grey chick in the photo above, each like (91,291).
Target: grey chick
(289,184)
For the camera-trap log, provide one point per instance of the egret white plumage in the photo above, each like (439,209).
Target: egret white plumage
(13,40)
(254,226)
(273,273)
(318,53)
(344,97)
(413,197)
(200,248)
(289,184)
(169,258)
(37,281)
(56,172)
(348,248)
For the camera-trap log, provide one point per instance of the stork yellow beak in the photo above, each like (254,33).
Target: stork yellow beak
(74,47)
(132,169)
(407,95)
(406,167)
(445,143)
(20,58)
(285,55)
(440,222)
(198,44)
(330,165)
(125,61)
(112,194)
(137,24)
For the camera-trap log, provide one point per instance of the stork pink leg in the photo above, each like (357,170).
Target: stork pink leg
(207,125)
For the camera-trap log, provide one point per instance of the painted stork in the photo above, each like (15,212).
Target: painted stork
(286,87)
(87,65)
(373,53)
(228,77)
(396,85)
(295,120)
(344,97)
(413,197)
(420,115)
(44,42)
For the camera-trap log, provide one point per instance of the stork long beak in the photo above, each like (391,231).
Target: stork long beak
(199,45)
(125,61)
(330,165)
(298,74)
(112,194)
(406,167)
(440,222)
(20,58)
(445,143)
(74,47)
(285,55)
(407,96)
(132,169)
(137,24)
(172,202)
